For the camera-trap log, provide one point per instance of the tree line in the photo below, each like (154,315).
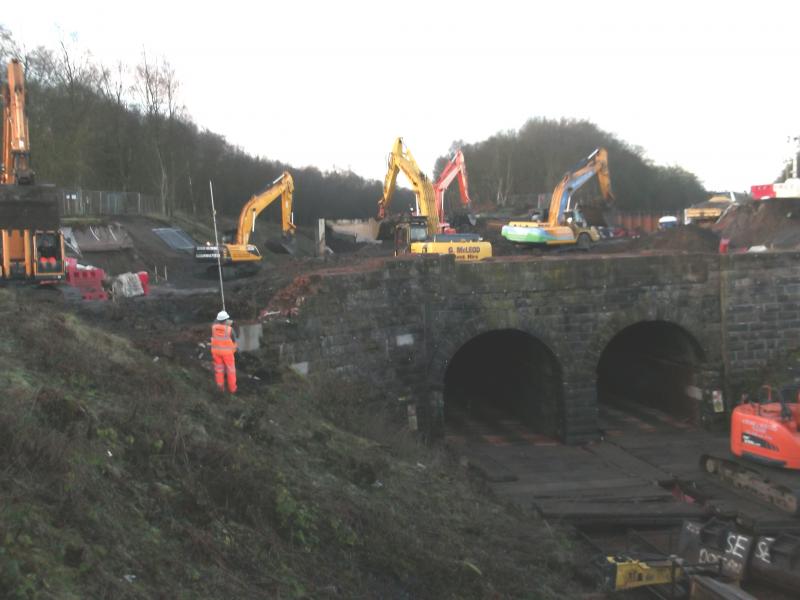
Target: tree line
(123,127)
(533,160)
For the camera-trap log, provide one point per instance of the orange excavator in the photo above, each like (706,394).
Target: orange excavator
(764,432)
(31,244)
(237,256)
(456,169)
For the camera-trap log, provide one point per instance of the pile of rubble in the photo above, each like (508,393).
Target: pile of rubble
(774,223)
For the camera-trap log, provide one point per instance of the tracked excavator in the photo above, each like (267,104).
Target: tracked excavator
(237,256)
(456,169)
(420,232)
(765,440)
(31,243)
(565,224)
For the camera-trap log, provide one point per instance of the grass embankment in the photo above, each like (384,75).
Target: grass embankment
(125,477)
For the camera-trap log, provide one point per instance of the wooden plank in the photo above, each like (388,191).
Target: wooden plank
(490,469)
(619,512)
(627,462)
(579,487)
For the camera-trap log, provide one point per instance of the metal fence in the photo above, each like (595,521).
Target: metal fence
(81,203)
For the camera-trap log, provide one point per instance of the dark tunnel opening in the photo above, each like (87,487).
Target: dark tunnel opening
(651,364)
(504,375)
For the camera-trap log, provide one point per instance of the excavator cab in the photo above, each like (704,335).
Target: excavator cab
(48,258)
(414,229)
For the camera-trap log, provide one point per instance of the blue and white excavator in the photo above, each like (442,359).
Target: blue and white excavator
(565,224)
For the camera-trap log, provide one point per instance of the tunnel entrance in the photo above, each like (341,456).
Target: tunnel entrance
(504,376)
(651,364)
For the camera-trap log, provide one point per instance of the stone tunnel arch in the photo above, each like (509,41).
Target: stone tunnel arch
(653,364)
(504,375)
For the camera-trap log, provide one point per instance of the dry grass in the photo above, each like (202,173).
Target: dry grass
(128,478)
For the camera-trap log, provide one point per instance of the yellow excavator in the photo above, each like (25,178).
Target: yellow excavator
(236,254)
(565,224)
(31,243)
(418,233)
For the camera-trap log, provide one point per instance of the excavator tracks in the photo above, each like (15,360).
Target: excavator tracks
(754,483)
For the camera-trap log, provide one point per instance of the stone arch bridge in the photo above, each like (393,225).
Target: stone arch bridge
(543,338)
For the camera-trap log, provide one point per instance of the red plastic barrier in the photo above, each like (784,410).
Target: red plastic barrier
(760,192)
(88,277)
(88,281)
(144,278)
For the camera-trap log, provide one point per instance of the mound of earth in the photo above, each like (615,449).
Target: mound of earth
(687,239)
(774,223)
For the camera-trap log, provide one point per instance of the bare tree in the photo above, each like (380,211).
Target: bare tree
(157,90)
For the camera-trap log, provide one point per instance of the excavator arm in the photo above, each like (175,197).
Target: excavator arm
(401,159)
(16,156)
(596,164)
(456,168)
(282,188)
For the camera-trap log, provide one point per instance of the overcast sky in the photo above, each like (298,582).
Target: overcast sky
(711,86)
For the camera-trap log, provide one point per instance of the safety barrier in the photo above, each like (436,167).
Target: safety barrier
(144,278)
(88,281)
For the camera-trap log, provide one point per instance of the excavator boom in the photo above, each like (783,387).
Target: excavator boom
(283,188)
(15,157)
(456,168)
(596,164)
(401,159)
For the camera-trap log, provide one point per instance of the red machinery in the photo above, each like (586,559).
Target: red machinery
(455,168)
(766,430)
(765,434)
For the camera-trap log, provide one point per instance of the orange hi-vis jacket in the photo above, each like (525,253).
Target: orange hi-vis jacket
(222,339)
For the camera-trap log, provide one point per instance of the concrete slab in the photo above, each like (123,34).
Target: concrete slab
(249,337)
(176,238)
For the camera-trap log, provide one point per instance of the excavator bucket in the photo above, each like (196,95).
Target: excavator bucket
(29,207)
(286,245)
(463,221)
(387,226)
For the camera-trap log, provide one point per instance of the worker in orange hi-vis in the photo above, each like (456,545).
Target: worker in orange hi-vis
(223,347)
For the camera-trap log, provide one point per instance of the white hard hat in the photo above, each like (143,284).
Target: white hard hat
(223,316)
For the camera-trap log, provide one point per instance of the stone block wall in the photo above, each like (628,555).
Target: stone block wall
(397,325)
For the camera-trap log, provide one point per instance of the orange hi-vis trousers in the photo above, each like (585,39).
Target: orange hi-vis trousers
(224,364)
(222,350)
